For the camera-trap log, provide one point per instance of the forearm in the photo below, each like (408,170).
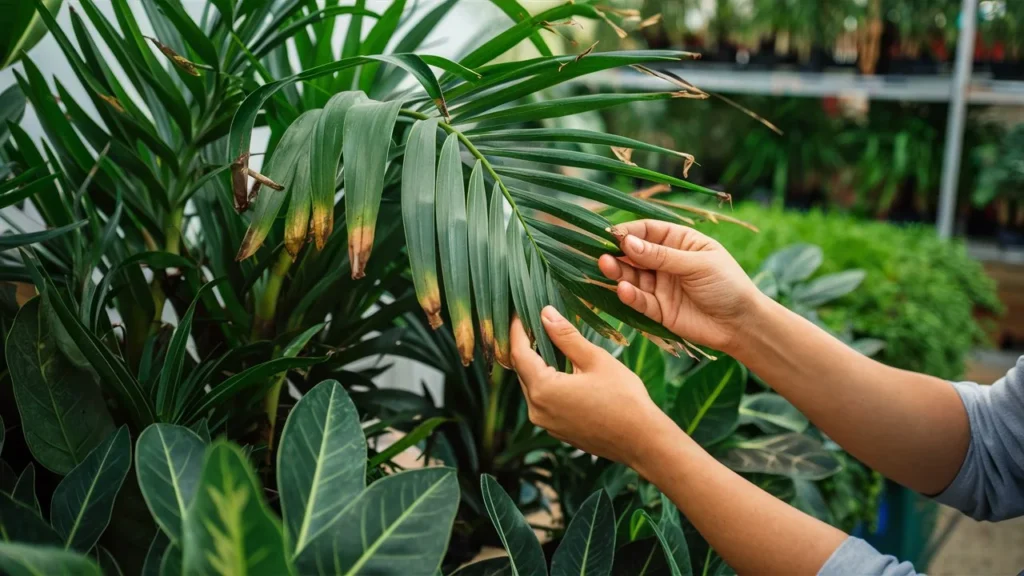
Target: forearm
(754,532)
(910,427)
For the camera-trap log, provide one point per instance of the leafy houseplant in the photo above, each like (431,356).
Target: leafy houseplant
(156,304)
(1001,184)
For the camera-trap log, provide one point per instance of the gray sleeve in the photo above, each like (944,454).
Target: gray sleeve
(856,557)
(990,484)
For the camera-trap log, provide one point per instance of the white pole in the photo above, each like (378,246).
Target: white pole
(957,113)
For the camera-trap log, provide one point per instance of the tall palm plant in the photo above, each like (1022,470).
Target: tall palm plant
(141,204)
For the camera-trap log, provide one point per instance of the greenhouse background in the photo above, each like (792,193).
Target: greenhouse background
(882,138)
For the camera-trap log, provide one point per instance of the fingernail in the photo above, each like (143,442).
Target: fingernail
(550,314)
(634,244)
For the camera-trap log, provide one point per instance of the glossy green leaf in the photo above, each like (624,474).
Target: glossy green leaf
(414,437)
(155,554)
(825,289)
(453,239)
(169,462)
(793,264)
(477,215)
(28,560)
(321,462)
(593,162)
(641,558)
(647,361)
(367,140)
(293,146)
(492,567)
(809,499)
(174,363)
(516,535)
(672,536)
(63,413)
(772,413)
(666,545)
(25,488)
(21,523)
(794,455)
(419,179)
(108,564)
(399,525)
(173,562)
(324,158)
(84,499)
(229,529)
(498,279)
(588,546)
(707,404)
(23,28)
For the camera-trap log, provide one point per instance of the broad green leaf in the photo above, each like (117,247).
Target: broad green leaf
(793,264)
(108,564)
(588,161)
(63,413)
(229,529)
(8,479)
(25,488)
(84,500)
(453,246)
(793,455)
(170,374)
(671,534)
(28,560)
(321,462)
(419,179)
(324,158)
(367,140)
(155,554)
(707,404)
(772,413)
(808,498)
(588,546)
(825,289)
(281,169)
(492,567)
(23,28)
(641,558)
(666,545)
(647,361)
(477,216)
(516,535)
(591,191)
(169,462)
(399,525)
(498,280)
(172,563)
(21,523)
(414,437)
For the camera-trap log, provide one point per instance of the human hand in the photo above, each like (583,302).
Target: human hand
(601,407)
(682,279)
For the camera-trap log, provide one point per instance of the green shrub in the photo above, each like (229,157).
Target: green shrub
(920,293)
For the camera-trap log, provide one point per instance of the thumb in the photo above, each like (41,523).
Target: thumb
(580,351)
(656,256)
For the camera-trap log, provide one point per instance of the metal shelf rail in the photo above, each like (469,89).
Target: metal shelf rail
(959,90)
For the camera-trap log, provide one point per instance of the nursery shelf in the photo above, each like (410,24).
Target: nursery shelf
(1004,92)
(991,252)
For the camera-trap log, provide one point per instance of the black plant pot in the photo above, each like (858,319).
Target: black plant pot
(817,60)
(1009,237)
(909,67)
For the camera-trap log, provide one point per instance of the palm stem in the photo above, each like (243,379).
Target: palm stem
(491,418)
(266,305)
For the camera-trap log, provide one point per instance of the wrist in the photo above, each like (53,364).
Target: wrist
(661,436)
(752,326)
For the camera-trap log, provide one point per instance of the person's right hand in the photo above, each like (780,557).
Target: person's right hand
(682,279)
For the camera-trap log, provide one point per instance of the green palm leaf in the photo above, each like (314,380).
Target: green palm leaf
(418,189)
(453,245)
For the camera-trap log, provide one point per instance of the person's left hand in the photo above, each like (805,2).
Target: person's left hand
(601,408)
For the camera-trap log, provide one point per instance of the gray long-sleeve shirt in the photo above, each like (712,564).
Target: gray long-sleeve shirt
(990,484)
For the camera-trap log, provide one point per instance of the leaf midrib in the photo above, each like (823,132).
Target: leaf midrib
(307,513)
(368,553)
(88,496)
(706,405)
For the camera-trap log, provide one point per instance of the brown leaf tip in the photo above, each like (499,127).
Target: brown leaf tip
(619,233)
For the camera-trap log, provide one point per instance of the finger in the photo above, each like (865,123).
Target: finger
(618,270)
(666,233)
(659,257)
(580,351)
(639,300)
(527,363)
